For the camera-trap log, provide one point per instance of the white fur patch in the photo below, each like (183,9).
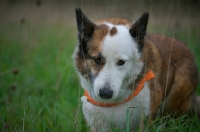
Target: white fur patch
(105,118)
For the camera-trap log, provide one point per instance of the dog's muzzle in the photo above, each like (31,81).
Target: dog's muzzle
(105,93)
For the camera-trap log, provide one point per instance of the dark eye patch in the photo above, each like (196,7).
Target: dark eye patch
(97,60)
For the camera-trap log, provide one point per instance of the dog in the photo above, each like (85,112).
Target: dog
(125,70)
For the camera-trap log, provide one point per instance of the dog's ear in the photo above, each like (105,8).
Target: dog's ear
(85,28)
(138,29)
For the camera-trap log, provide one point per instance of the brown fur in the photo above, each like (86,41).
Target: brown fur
(176,74)
(113,31)
(94,45)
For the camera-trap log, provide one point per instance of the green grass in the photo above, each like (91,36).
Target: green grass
(169,124)
(45,94)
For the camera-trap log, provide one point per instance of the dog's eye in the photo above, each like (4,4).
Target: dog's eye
(97,60)
(120,62)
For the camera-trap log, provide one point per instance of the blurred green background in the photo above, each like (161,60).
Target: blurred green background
(39,87)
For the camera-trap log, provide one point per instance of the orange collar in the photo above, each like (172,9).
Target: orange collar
(147,77)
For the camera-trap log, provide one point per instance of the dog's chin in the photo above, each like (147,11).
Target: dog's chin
(111,100)
(100,99)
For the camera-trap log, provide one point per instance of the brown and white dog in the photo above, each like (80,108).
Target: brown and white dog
(120,66)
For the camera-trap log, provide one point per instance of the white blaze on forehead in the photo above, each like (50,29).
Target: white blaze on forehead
(119,46)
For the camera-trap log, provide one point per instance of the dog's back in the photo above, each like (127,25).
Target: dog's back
(176,72)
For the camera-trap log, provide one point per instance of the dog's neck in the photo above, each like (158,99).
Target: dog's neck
(136,91)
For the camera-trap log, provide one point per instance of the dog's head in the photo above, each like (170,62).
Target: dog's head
(108,58)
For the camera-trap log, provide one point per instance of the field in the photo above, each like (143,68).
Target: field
(39,87)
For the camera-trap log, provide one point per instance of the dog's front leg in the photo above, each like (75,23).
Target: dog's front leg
(95,118)
(156,96)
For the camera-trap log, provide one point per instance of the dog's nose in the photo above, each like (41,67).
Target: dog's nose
(105,93)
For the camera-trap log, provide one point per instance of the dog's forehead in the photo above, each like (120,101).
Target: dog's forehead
(111,40)
(118,42)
